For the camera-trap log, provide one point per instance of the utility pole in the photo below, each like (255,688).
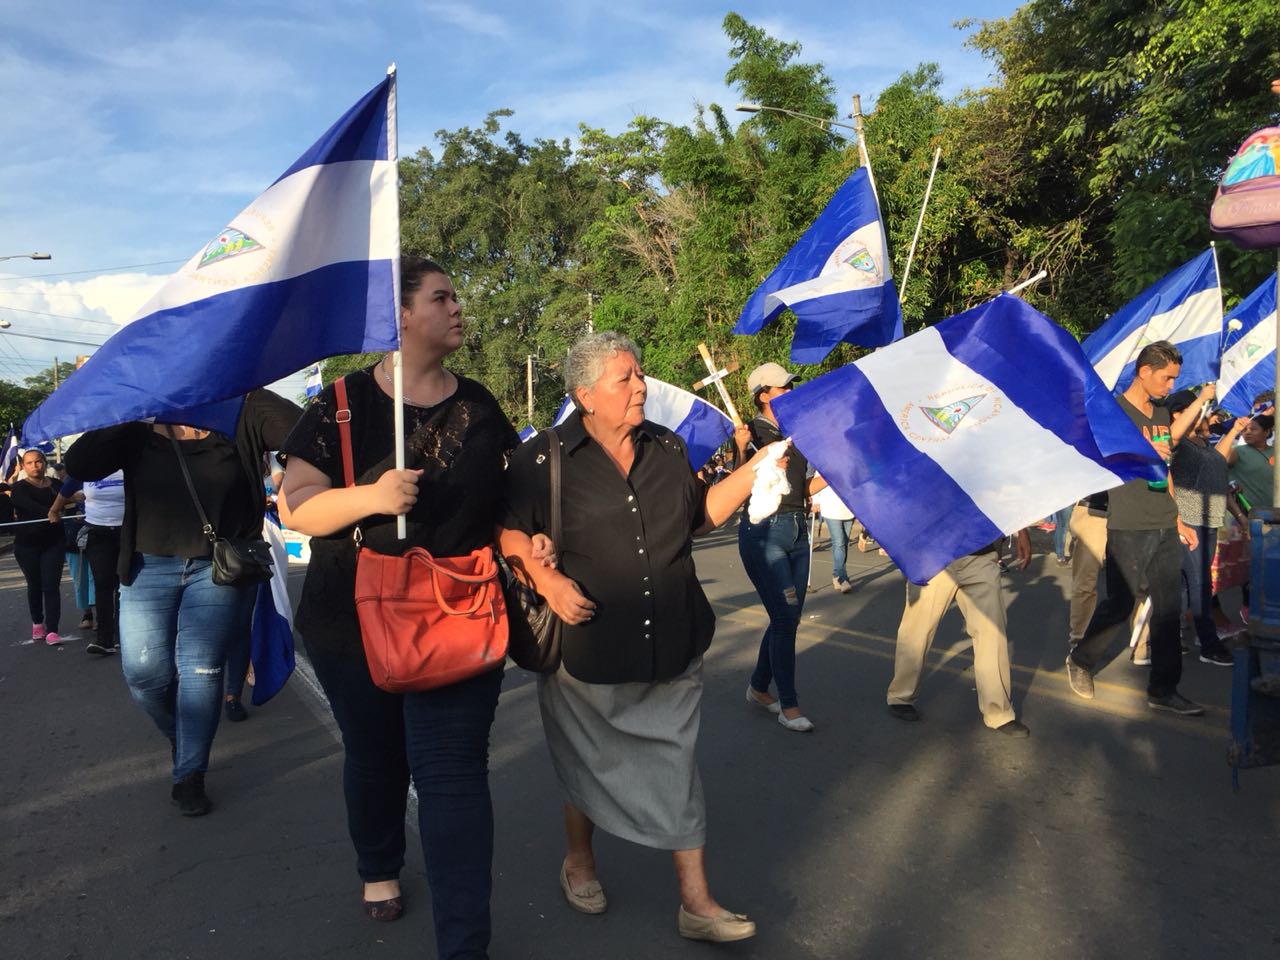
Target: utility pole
(57,441)
(591,309)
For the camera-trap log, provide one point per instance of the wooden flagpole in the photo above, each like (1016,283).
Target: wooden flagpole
(717,377)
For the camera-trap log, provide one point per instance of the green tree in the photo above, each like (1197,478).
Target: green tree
(1121,114)
(43,382)
(16,404)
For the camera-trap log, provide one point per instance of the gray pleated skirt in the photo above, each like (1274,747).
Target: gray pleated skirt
(625,754)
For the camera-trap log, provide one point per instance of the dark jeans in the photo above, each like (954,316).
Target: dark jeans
(1196,565)
(441,737)
(42,568)
(103,551)
(238,663)
(775,554)
(1135,557)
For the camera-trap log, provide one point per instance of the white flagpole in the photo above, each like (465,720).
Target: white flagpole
(1222,327)
(906,272)
(862,147)
(397,371)
(1028,282)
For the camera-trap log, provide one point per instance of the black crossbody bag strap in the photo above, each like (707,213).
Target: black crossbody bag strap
(207,528)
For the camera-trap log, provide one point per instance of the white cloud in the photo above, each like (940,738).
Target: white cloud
(71,315)
(469,18)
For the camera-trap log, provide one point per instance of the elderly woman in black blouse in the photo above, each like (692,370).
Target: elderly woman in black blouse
(621,714)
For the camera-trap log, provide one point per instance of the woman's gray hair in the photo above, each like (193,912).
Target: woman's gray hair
(587,358)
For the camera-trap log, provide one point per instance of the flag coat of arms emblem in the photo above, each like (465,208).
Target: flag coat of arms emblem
(837,280)
(305,271)
(1184,307)
(970,429)
(1249,352)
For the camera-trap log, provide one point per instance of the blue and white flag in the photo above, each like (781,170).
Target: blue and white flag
(1249,351)
(9,458)
(1185,308)
(837,280)
(315,383)
(701,425)
(529,432)
(976,427)
(306,271)
(271,643)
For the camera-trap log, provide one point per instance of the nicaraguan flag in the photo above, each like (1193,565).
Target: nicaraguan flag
(9,458)
(1184,308)
(271,645)
(530,431)
(836,280)
(701,425)
(315,383)
(1249,354)
(304,272)
(970,429)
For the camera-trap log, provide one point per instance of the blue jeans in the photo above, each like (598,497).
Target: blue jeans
(175,627)
(1061,519)
(775,554)
(1196,565)
(441,737)
(839,546)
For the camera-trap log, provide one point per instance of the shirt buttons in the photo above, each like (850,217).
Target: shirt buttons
(646,579)
(646,593)
(631,498)
(648,637)
(646,623)
(641,550)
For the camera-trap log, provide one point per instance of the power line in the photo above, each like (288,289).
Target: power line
(36,336)
(56,316)
(101,323)
(77,273)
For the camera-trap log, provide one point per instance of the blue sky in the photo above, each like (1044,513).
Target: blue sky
(134,131)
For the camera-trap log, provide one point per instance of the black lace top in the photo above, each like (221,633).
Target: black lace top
(461,444)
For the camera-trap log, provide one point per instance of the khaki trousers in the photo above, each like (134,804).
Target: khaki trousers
(974,584)
(1089,531)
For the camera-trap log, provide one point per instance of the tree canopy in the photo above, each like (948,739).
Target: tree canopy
(1093,153)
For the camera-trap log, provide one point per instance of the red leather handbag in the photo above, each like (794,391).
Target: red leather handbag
(425,621)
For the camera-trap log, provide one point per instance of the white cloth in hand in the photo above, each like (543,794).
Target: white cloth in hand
(771,483)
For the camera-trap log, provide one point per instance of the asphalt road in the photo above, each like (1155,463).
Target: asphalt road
(1110,833)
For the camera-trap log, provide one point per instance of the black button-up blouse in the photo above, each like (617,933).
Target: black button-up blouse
(628,543)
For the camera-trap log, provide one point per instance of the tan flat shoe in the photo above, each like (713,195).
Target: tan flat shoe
(725,928)
(585,897)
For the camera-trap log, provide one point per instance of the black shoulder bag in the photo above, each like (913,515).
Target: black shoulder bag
(236,563)
(534,641)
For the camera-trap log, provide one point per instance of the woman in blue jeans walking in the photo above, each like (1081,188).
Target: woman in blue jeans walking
(775,554)
(175,622)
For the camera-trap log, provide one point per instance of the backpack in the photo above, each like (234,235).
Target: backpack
(1246,209)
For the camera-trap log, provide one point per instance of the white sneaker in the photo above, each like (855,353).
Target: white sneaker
(800,724)
(842,586)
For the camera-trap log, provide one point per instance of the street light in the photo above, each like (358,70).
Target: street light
(28,256)
(821,121)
